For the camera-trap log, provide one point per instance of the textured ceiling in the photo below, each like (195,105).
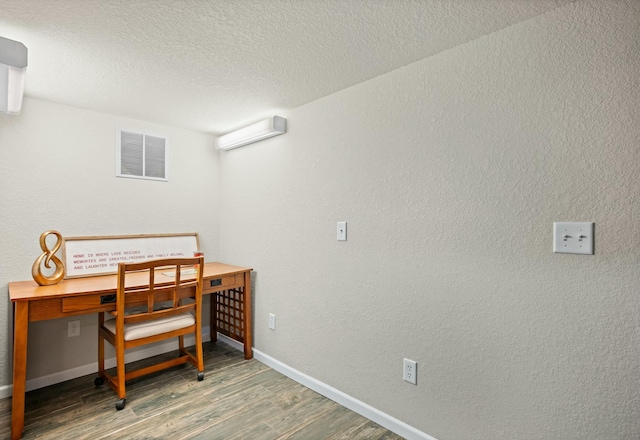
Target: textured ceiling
(216,65)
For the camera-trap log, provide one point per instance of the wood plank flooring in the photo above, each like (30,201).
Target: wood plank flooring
(238,399)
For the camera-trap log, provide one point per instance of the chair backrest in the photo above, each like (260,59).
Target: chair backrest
(158,288)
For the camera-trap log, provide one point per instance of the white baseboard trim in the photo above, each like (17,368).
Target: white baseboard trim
(371,413)
(227,340)
(62,376)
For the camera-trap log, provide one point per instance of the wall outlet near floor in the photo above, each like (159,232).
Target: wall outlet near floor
(272,321)
(410,371)
(73,329)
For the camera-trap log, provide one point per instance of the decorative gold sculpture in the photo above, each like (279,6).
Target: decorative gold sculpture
(48,256)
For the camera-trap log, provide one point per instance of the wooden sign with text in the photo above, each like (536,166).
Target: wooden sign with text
(87,256)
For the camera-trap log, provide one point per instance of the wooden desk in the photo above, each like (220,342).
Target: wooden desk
(230,313)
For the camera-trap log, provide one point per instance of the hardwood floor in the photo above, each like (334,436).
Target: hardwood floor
(238,399)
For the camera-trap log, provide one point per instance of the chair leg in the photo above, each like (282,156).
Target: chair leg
(121,373)
(199,354)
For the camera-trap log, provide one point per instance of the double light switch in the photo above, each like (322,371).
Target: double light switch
(573,237)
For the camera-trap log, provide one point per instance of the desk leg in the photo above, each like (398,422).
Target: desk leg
(248,327)
(213,318)
(20,329)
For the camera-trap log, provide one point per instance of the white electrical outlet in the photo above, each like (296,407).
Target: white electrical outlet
(73,329)
(272,321)
(410,371)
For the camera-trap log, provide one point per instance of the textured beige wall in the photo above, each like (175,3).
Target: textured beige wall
(450,173)
(58,172)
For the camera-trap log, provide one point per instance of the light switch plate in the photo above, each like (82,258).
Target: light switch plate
(573,237)
(342,231)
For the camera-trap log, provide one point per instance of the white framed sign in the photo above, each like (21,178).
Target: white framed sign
(87,256)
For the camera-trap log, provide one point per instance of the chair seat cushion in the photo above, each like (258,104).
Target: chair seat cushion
(151,328)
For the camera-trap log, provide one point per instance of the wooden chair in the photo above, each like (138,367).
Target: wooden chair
(150,307)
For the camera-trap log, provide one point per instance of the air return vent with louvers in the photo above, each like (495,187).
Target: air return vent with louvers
(141,156)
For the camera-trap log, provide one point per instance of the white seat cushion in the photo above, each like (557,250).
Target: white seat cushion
(150,328)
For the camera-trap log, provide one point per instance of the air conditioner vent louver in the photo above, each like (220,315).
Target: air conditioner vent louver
(141,156)
(154,157)
(131,153)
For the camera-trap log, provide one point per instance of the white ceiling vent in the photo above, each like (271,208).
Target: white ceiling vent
(141,156)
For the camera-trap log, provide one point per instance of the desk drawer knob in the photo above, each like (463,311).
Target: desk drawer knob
(216,282)
(106,299)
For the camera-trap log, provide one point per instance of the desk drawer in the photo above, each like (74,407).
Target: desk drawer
(222,283)
(88,302)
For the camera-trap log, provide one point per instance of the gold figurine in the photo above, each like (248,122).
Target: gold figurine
(48,256)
